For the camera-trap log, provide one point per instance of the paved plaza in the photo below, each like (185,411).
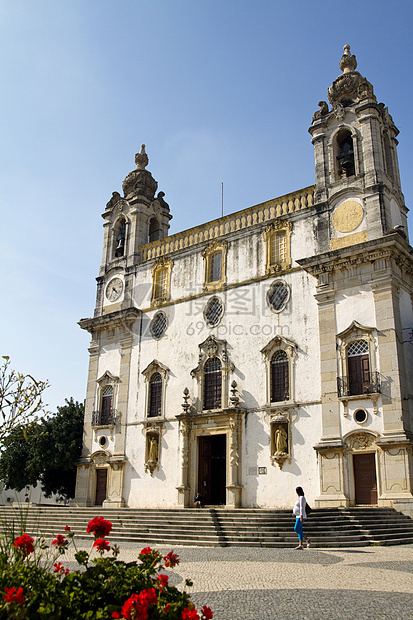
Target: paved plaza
(265,584)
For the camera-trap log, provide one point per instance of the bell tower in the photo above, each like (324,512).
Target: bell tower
(358,190)
(131,221)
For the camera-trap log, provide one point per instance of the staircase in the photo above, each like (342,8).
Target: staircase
(245,527)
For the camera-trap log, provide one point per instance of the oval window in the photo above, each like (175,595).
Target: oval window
(360,416)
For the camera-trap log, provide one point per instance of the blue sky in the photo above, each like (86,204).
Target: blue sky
(218,91)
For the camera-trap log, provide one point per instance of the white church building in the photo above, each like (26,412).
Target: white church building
(265,349)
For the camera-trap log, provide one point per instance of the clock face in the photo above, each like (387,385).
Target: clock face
(114,289)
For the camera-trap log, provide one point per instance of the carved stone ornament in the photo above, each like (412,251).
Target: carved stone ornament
(348,61)
(361,441)
(140,182)
(211,348)
(351,86)
(338,110)
(324,111)
(113,201)
(100,458)
(141,159)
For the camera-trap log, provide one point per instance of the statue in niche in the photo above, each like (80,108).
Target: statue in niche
(281,441)
(153,450)
(153,453)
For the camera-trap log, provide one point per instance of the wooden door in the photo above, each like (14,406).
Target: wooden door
(101,486)
(204,469)
(358,374)
(212,465)
(106,408)
(365,481)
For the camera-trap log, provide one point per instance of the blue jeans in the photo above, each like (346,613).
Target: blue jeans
(298,529)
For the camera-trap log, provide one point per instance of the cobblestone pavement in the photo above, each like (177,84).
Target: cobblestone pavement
(267,584)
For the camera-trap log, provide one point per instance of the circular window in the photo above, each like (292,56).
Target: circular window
(278,295)
(158,325)
(214,311)
(360,416)
(103,441)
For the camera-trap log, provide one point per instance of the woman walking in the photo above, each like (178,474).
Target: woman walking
(300,516)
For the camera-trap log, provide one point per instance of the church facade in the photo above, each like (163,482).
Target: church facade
(266,349)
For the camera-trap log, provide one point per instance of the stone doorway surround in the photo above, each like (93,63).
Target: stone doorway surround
(192,427)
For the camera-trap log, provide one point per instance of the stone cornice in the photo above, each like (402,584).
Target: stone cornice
(122,318)
(390,246)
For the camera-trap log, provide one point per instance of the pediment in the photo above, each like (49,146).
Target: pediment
(356,328)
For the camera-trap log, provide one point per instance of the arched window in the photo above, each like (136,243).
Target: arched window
(212,383)
(155,395)
(388,156)
(280,384)
(345,154)
(120,236)
(155,231)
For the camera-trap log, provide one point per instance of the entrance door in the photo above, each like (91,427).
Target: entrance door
(101,485)
(212,469)
(365,481)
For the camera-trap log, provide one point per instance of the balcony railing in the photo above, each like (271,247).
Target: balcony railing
(368,384)
(104,418)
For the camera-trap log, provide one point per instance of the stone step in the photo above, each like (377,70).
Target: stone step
(359,526)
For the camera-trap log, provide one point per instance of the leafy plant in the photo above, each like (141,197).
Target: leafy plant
(35,585)
(20,399)
(45,451)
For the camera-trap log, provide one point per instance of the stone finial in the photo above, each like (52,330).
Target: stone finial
(141,159)
(185,405)
(234,398)
(348,61)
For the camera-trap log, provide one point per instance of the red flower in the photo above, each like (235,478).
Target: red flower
(148,597)
(167,608)
(102,544)
(146,551)
(138,604)
(163,580)
(131,604)
(171,559)
(206,613)
(61,542)
(11,594)
(190,614)
(25,543)
(115,614)
(67,528)
(59,568)
(99,526)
